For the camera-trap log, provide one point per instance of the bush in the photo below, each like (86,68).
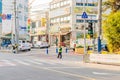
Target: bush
(79,46)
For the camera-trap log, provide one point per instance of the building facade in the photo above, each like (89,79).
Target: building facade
(60,21)
(66,22)
(39,26)
(8,17)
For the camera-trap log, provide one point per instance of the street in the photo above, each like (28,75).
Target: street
(37,65)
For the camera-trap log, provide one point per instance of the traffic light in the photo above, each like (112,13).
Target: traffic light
(90,30)
(28,23)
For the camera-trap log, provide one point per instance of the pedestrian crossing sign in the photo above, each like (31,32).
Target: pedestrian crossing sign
(84,15)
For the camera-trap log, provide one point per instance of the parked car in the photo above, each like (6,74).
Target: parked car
(24,45)
(41,44)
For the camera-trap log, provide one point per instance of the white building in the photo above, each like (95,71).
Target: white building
(66,22)
(8,25)
(39,26)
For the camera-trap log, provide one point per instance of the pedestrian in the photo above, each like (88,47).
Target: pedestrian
(88,48)
(59,52)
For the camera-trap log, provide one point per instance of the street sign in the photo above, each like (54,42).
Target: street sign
(9,16)
(84,15)
(23,27)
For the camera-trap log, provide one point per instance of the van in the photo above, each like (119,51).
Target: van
(24,45)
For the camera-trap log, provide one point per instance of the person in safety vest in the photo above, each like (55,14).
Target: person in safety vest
(59,52)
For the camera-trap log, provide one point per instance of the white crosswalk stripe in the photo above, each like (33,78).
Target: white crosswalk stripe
(34,62)
(46,62)
(21,62)
(8,63)
(27,62)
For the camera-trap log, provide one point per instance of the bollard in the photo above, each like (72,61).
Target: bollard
(46,50)
(66,50)
(56,50)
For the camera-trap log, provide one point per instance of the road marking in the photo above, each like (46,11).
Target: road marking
(65,73)
(7,62)
(21,62)
(101,73)
(47,62)
(33,62)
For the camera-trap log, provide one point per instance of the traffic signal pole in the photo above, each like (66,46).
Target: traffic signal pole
(99,24)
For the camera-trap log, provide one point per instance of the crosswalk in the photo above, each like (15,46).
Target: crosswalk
(27,62)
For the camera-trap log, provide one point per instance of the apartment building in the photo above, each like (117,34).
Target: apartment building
(8,17)
(39,26)
(60,21)
(66,22)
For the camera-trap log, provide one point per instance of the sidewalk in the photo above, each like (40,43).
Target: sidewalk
(5,50)
(109,59)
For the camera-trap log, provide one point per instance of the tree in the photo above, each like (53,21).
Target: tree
(114,5)
(111,30)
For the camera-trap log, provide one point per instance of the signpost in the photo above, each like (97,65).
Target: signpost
(85,16)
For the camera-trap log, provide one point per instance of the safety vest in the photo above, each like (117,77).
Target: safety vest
(60,49)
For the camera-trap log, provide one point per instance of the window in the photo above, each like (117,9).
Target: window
(68,2)
(68,18)
(55,5)
(62,19)
(79,4)
(52,21)
(79,21)
(58,4)
(58,19)
(65,2)
(62,3)
(52,6)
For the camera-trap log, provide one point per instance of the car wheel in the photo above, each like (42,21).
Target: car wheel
(29,49)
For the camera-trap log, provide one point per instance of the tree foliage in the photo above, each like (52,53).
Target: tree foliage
(111,28)
(114,5)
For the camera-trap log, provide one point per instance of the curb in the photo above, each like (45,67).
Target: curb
(5,51)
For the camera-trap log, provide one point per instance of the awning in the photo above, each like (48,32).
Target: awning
(64,33)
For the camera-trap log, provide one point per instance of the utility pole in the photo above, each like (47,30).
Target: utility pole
(99,24)
(16,27)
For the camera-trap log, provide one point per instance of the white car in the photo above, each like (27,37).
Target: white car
(24,45)
(41,44)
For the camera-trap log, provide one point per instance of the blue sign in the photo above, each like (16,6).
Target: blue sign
(8,16)
(0,11)
(23,27)
(84,15)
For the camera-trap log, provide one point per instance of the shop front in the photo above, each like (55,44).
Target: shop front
(54,35)
(40,35)
(60,35)
(65,36)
